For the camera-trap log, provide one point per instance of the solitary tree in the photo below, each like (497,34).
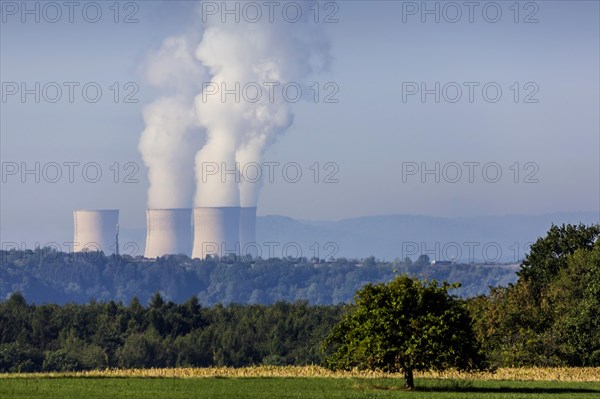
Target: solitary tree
(405,325)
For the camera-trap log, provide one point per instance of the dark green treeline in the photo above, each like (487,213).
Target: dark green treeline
(163,334)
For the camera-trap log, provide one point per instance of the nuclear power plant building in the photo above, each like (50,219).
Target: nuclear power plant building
(216,231)
(247,227)
(169,232)
(96,230)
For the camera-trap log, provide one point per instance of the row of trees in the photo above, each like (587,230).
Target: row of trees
(163,334)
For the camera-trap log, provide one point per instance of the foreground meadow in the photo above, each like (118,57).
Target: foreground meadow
(299,382)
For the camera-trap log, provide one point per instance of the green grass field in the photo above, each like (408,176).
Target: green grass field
(276,387)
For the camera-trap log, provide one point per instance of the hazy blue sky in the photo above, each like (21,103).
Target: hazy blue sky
(374,136)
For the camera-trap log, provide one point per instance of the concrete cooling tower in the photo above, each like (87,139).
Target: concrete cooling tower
(96,230)
(216,231)
(247,227)
(169,232)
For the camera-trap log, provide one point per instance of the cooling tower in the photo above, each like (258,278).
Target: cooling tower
(96,230)
(216,231)
(247,227)
(169,232)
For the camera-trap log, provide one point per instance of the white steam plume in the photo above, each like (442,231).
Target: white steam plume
(172,135)
(275,53)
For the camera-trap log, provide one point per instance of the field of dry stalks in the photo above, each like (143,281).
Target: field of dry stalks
(505,374)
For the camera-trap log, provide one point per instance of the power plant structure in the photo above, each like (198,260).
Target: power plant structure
(96,230)
(169,232)
(247,227)
(216,231)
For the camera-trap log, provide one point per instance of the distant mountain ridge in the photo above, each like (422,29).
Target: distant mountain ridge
(464,239)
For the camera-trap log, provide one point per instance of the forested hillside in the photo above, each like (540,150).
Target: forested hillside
(46,276)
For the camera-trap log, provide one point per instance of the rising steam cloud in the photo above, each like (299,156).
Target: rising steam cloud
(185,134)
(167,148)
(172,135)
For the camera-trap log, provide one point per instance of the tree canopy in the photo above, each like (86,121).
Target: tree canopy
(549,254)
(550,316)
(404,325)
(163,334)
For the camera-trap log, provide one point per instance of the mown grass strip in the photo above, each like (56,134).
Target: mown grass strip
(297,388)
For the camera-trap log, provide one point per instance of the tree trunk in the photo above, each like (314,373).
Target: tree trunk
(409,382)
